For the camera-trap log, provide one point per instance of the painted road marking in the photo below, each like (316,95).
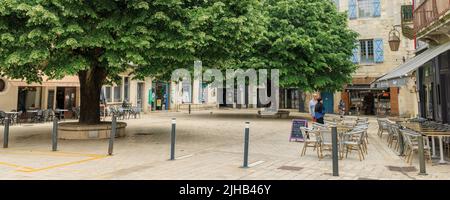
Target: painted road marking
(256,163)
(183,157)
(20,168)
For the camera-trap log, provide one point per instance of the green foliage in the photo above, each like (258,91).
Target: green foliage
(309,42)
(151,37)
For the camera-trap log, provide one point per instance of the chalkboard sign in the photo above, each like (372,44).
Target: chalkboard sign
(296,133)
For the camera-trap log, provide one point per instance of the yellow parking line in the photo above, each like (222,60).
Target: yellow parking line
(53,153)
(59,165)
(46,153)
(15,166)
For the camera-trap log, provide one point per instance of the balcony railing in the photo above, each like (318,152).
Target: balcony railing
(428,12)
(407,21)
(407,13)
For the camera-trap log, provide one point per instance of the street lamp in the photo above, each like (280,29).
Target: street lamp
(394,38)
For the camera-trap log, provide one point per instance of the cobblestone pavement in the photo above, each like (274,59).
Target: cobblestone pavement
(209,146)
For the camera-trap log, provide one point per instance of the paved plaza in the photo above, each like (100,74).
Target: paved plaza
(209,146)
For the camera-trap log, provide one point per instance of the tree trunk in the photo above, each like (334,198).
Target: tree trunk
(91,82)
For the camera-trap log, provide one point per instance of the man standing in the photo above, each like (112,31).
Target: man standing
(312,105)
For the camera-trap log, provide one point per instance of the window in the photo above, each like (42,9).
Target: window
(366,51)
(108,93)
(50,99)
(126,88)
(365,8)
(336,2)
(118,93)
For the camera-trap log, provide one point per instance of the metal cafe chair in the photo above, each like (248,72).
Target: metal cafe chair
(311,140)
(411,145)
(382,126)
(325,143)
(356,144)
(2,117)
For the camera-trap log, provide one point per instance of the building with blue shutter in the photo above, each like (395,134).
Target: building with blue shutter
(373,20)
(430,68)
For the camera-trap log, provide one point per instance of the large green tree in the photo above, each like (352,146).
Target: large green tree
(308,41)
(98,39)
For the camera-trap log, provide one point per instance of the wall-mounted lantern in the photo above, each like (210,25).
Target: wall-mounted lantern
(394,39)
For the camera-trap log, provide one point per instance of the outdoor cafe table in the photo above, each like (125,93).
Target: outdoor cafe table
(428,132)
(31,114)
(60,112)
(11,113)
(342,131)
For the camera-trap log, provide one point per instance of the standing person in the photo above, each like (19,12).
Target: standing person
(342,107)
(312,105)
(319,112)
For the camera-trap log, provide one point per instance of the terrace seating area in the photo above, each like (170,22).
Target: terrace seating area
(403,137)
(30,116)
(352,137)
(123,113)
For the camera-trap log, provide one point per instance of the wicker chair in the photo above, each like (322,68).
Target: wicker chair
(382,126)
(410,138)
(355,144)
(324,141)
(311,140)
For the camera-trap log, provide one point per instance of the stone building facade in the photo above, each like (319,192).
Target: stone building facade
(374,20)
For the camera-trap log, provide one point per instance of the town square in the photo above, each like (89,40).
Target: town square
(225,90)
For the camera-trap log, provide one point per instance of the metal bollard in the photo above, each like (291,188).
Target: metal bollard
(112,135)
(334,141)
(421,157)
(172,139)
(6,133)
(189,108)
(246,141)
(401,145)
(55,134)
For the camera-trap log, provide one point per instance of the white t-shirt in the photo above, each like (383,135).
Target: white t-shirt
(312,105)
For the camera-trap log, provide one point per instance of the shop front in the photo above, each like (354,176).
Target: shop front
(27,98)
(160,96)
(364,100)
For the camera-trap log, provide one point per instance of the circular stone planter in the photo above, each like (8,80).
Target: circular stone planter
(76,131)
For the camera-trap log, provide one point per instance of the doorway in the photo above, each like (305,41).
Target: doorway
(328,101)
(140,95)
(50,99)
(66,99)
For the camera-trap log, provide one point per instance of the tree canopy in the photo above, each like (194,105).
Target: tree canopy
(308,40)
(98,39)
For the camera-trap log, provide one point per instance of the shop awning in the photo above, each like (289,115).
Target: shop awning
(360,87)
(404,69)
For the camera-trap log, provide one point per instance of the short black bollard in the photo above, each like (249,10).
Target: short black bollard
(112,135)
(55,134)
(246,141)
(334,141)
(6,133)
(189,108)
(421,157)
(172,139)
(401,144)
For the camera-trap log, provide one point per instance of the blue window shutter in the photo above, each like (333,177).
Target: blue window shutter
(378,50)
(376,8)
(355,56)
(352,9)
(336,2)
